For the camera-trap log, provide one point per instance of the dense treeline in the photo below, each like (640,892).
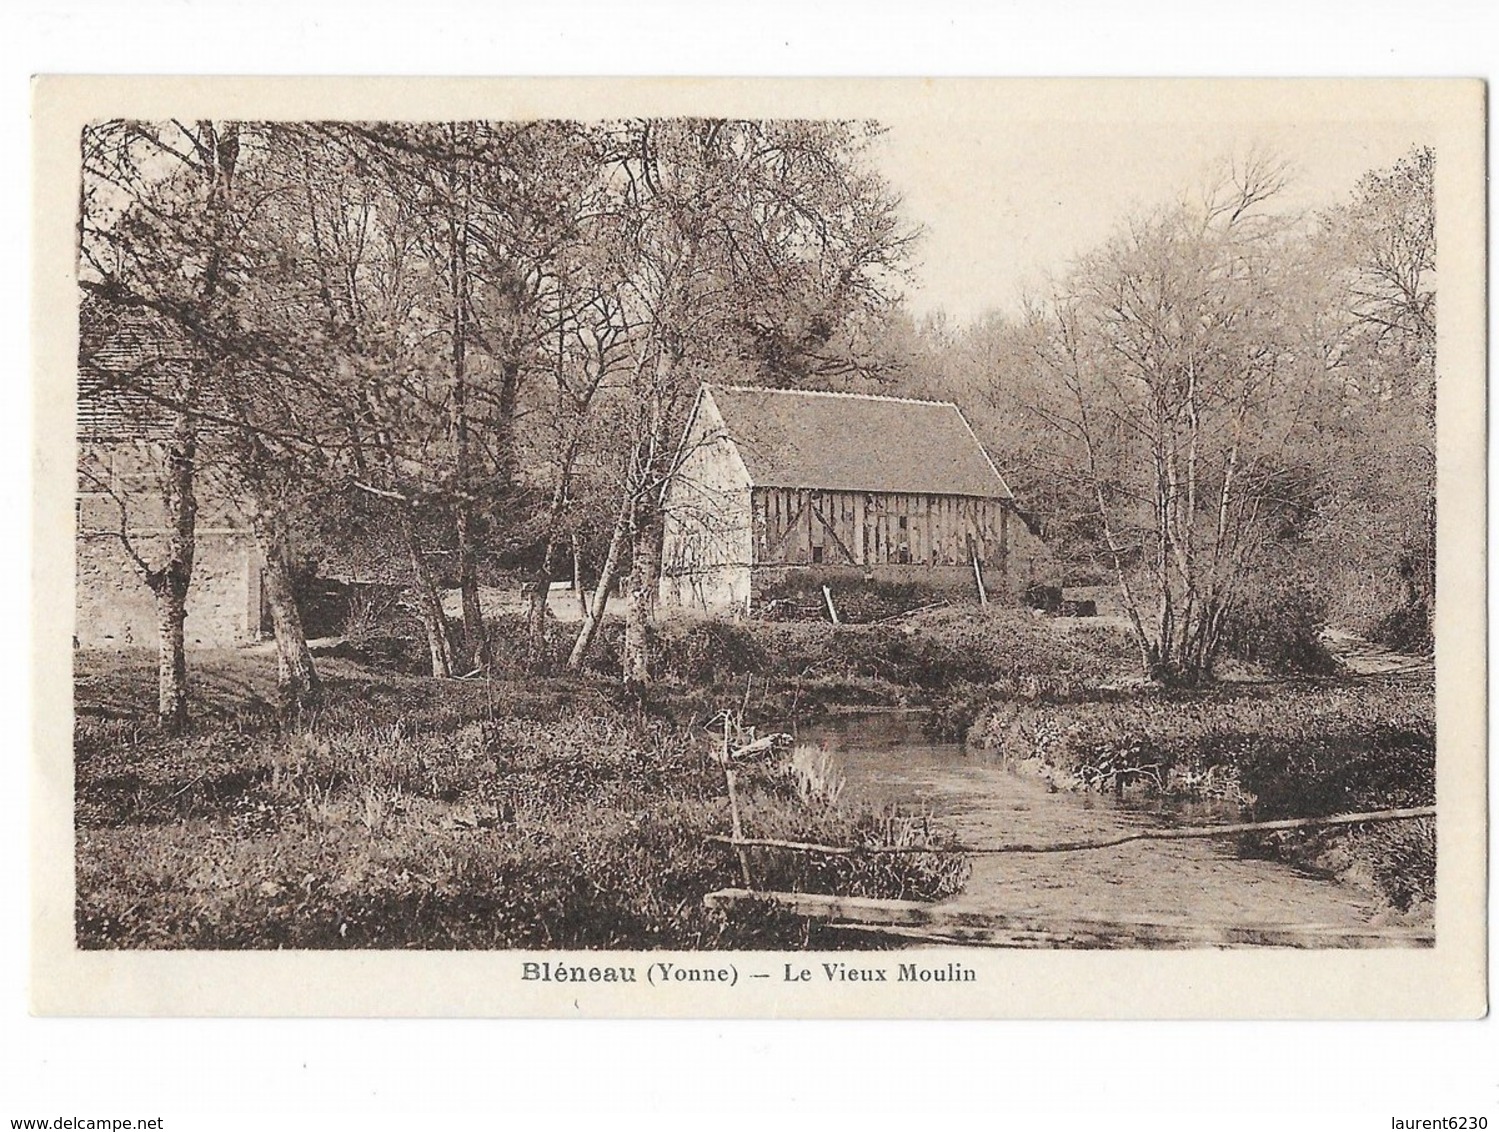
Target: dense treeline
(1227,413)
(433,330)
(471,342)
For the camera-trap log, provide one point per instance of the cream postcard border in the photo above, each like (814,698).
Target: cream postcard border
(1447,981)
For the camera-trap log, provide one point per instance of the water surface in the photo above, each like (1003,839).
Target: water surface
(887,759)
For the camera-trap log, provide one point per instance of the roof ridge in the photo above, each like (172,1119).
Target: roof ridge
(832,393)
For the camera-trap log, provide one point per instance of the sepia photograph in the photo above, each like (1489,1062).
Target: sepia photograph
(831,545)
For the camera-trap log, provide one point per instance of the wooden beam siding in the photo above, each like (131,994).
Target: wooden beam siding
(864,528)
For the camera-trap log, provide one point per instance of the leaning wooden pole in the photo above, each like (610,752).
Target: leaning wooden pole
(978,572)
(1182,834)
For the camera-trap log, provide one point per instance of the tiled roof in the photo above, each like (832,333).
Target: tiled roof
(855,442)
(116,373)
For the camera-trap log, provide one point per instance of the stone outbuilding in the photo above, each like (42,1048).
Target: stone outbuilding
(119,506)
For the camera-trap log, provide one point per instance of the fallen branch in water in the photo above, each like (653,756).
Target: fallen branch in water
(1183,834)
(904,613)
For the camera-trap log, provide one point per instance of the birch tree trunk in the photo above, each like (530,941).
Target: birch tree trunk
(645,574)
(607,575)
(297,680)
(169,583)
(428,602)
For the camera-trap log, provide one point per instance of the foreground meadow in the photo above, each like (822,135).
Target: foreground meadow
(436,814)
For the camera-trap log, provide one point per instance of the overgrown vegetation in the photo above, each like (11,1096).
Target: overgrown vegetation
(1407,628)
(1277,624)
(797,596)
(914,658)
(438,815)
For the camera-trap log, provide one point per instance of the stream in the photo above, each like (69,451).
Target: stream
(887,759)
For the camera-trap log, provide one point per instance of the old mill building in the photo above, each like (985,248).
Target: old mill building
(843,486)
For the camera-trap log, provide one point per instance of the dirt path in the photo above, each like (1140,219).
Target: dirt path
(1365,658)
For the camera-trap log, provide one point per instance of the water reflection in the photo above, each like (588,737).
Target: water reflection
(888,759)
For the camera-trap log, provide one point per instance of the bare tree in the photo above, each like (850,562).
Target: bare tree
(1180,383)
(740,248)
(1379,259)
(158,229)
(485,211)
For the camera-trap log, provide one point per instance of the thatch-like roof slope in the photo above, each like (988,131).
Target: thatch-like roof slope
(855,442)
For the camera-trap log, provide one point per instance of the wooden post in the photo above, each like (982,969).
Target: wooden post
(806,531)
(827,595)
(978,573)
(736,824)
(1004,542)
(926,531)
(861,543)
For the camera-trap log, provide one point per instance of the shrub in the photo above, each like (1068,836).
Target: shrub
(1277,624)
(376,611)
(1406,628)
(1368,739)
(931,650)
(708,651)
(509,637)
(797,596)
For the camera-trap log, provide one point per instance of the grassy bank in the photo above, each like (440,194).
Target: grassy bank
(1271,750)
(947,659)
(433,814)
(951,658)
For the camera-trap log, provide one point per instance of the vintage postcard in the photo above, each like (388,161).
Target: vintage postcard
(887,548)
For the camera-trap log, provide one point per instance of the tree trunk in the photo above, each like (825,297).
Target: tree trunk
(578,577)
(428,603)
(170,583)
(607,574)
(472,645)
(645,575)
(170,588)
(475,650)
(1429,568)
(536,613)
(504,425)
(297,680)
